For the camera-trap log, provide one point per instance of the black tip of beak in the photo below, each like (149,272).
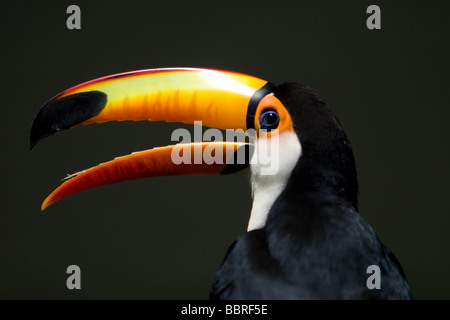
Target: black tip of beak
(64,113)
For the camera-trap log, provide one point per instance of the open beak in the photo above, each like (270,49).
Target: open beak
(220,99)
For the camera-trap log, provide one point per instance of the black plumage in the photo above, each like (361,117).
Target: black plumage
(315,245)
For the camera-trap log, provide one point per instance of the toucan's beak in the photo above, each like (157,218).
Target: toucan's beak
(220,99)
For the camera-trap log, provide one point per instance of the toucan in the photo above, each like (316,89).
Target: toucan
(305,237)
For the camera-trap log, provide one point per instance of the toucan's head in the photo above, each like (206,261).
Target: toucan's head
(293,135)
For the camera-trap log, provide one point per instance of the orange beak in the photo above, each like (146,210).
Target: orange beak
(220,99)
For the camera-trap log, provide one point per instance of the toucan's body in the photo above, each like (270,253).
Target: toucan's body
(283,263)
(305,238)
(314,244)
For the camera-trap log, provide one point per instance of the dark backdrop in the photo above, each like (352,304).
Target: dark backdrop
(165,238)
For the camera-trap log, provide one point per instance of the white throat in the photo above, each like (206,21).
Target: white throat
(271,166)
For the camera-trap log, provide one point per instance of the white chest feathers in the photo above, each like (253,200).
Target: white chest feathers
(271,166)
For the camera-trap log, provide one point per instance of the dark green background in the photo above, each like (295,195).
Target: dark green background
(165,238)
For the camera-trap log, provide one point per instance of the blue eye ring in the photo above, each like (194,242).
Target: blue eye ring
(269,120)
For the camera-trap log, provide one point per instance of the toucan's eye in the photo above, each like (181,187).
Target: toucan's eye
(269,120)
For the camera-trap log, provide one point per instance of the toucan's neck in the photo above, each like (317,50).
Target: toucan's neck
(327,178)
(310,175)
(269,182)
(326,172)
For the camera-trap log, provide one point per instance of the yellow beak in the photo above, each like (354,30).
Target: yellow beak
(220,99)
